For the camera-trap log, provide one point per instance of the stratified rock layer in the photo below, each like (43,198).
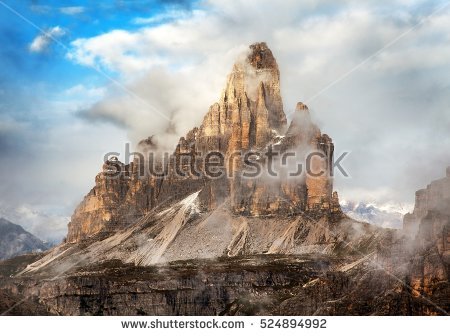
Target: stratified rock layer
(250,285)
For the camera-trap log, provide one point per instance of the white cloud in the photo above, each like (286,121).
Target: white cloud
(377,112)
(118,50)
(172,14)
(43,41)
(73,10)
(49,227)
(82,91)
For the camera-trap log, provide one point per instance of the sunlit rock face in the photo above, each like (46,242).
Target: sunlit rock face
(249,116)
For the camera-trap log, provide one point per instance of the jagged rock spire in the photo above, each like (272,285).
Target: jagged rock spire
(251,106)
(261,57)
(302,129)
(248,116)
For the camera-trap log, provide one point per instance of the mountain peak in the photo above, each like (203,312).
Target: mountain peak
(7,225)
(261,56)
(15,240)
(301,124)
(302,114)
(249,116)
(300,107)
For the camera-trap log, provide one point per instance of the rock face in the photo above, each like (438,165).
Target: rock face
(248,118)
(182,232)
(429,224)
(14,240)
(430,220)
(247,285)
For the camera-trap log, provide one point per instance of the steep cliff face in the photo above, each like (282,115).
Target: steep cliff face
(250,109)
(99,209)
(246,285)
(429,225)
(430,220)
(249,117)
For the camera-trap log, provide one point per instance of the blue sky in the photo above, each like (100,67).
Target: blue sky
(76,19)
(121,70)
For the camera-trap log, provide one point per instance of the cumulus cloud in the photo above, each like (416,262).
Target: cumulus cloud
(43,40)
(165,99)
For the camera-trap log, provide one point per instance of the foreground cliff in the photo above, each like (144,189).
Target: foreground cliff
(309,284)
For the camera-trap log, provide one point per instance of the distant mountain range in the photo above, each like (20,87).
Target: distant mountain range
(14,240)
(373,214)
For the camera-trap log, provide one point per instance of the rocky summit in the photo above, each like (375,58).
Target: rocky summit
(188,240)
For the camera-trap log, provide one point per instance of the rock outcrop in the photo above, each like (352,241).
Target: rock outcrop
(247,285)
(430,220)
(248,118)
(429,225)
